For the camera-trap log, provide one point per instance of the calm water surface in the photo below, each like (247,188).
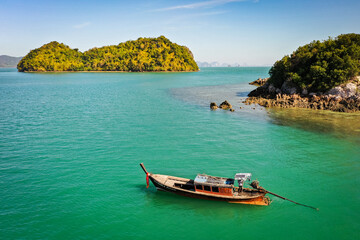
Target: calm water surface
(71,144)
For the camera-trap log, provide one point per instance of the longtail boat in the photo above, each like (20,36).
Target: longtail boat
(211,188)
(215,188)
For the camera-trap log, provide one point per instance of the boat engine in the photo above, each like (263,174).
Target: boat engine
(255,184)
(241,178)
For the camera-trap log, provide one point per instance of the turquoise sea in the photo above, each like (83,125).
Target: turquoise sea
(71,144)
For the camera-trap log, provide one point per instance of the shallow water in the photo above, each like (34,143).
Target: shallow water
(71,144)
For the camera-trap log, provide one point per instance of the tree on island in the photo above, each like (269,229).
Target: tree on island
(319,66)
(143,54)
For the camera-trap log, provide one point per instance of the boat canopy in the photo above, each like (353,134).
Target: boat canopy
(203,178)
(243,176)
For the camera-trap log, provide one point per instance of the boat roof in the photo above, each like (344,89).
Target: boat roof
(203,178)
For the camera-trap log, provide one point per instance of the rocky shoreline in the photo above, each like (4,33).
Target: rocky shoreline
(343,98)
(259,82)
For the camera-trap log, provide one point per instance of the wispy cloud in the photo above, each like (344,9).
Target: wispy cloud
(205,4)
(81,25)
(210,13)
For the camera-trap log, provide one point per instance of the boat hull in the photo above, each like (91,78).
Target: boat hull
(259,200)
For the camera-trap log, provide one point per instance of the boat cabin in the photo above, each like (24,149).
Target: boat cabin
(211,185)
(214,185)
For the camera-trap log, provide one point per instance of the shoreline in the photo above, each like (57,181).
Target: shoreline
(107,71)
(342,98)
(324,102)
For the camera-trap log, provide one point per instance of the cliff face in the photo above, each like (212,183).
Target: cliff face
(144,54)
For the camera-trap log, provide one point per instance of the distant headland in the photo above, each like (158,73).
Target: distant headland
(141,55)
(8,61)
(319,75)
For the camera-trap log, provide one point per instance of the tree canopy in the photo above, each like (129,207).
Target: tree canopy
(320,66)
(143,54)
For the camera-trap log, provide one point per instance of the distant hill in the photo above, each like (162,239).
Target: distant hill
(141,55)
(8,61)
(216,64)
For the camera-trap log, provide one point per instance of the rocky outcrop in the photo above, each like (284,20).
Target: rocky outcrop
(288,87)
(224,105)
(323,102)
(346,91)
(343,98)
(268,90)
(259,81)
(213,106)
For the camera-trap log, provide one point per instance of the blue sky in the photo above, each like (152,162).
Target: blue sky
(253,32)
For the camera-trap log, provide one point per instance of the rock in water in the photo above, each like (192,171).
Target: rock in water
(213,106)
(225,105)
(259,81)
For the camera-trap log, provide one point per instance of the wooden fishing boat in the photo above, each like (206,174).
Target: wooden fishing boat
(211,188)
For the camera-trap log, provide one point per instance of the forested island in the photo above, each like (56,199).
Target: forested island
(141,55)
(320,75)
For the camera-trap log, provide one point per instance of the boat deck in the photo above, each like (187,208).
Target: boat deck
(187,185)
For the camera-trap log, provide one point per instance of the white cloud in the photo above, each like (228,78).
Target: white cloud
(81,25)
(205,4)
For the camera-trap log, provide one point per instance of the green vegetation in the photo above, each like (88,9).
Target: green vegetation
(53,56)
(320,66)
(144,54)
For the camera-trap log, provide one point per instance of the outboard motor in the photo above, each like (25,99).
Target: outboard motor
(255,184)
(241,178)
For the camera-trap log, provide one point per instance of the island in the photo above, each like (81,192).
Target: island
(319,75)
(141,55)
